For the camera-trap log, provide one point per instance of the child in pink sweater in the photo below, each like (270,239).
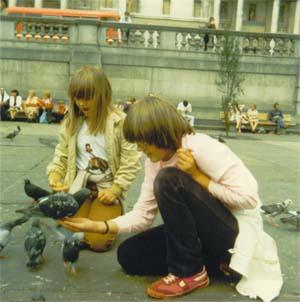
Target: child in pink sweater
(209,204)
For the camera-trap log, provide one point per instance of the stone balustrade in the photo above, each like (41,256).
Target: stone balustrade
(38,53)
(56,30)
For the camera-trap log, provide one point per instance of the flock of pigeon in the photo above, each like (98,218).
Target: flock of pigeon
(52,205)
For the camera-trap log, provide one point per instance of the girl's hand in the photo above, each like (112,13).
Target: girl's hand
(106,196)
(82,225)
(56,185)
(186,162)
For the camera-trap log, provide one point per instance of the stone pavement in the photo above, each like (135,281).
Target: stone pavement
(274,160)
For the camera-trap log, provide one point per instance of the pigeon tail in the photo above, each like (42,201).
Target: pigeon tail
(34,191)
(10,225)
(31,212)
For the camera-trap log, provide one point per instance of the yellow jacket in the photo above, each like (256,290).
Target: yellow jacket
(123,157)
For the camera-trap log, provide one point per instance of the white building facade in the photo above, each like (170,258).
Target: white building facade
(241,15)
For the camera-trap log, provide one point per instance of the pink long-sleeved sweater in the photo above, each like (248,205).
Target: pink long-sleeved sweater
(231,182)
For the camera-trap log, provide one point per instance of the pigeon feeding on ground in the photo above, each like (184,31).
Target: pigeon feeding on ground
(273,210)
(70,247)
(6,228)
(13,134)
(57,205)
(293,219)
(34,191)
(35,241)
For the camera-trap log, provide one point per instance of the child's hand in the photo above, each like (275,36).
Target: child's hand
(186,161)
(56,184)
(106,196)
(81,225)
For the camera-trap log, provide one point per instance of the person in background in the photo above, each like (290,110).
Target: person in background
(276,116)
(252,115)
(125,19)
(128,104)
(4,104)
(210,208)
(240,117)
(210,25)
(185,108)
(15,103)
(32,107)
(47,103)
(3,6)
(60,111)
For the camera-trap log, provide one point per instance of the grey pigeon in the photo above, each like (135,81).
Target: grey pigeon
(70,247)
(57,205)
(6,228)
(34,191)
(13,134)
(38,297)
(221,139)
(35,241)
(293,219)
(273,210)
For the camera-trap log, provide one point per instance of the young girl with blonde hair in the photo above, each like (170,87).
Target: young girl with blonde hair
(32,107)
(209,204)
(108,166)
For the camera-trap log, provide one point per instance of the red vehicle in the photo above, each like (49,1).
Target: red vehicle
(64,14)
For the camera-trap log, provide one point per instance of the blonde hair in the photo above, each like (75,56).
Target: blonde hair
(89,83)
(31,93)
(47,94)
(156,122)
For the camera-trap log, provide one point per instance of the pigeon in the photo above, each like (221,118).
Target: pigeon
(35,241)
(13,134)
(273,210)
(34,191)
(293,219)
(57,205)
(6,228)
(221,139)
(38,297)
(70,247)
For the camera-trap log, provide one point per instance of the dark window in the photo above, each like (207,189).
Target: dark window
(133,6)
(166,7)
(25,3)
(197,8)
(51,3)
(252,12)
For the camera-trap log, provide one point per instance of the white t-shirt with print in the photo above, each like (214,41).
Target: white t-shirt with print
(97,143)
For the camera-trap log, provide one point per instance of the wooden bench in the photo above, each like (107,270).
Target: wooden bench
(21,116)
(263,120)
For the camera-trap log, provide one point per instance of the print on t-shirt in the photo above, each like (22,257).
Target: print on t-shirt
(95,163)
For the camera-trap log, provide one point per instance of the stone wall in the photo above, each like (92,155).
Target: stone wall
(135,70)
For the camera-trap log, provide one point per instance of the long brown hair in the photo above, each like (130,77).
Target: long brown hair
(89,83)
(156,122)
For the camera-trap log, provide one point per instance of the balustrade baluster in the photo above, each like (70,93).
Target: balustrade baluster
(145,36)
(155,37)
(138,37)
(246,45)
(150,40)
(179,43)
(259,48)
(37,35)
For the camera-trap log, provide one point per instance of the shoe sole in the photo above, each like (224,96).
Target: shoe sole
(157,295)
